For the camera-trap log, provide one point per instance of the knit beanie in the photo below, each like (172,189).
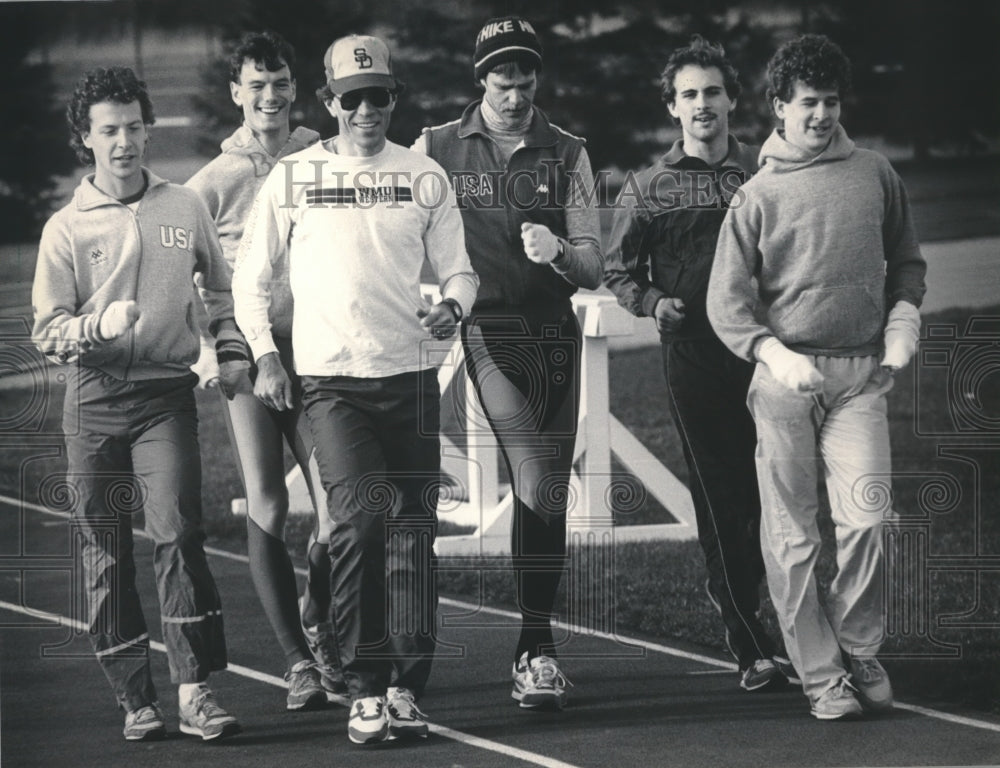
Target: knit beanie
(503,39)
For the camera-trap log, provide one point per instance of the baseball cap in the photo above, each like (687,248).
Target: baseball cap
(359,61)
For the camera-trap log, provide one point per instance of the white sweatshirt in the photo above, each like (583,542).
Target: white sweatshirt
(355,232)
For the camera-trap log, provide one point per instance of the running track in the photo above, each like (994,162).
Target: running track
(638,704)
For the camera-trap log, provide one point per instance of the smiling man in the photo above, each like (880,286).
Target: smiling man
(817,278)
(355,217)
(659,259)
(112,296)
(262,86)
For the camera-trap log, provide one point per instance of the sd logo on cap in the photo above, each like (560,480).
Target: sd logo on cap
(359,61)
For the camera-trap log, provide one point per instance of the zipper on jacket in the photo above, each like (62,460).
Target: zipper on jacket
(135,289)
(505,168)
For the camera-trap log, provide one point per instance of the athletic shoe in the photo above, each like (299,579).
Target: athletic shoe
(305,689)
(145,724)
(405,718)
(837,703)
(204,717)
(872,683)
(368,723)
(539,683)
(323,647)
(764,675)
(784,665)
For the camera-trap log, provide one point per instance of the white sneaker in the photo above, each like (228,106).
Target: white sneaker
(145,724)
(837,703)
(872,683)
(539,683)
(305,689)
(368,723)
(204,717)
(405,717)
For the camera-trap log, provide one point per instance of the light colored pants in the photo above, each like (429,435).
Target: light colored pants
(845,427)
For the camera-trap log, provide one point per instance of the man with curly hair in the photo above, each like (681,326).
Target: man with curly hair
(818,278)
(112,296)
(660,254)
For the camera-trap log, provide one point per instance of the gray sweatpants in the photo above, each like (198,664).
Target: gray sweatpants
(846,428)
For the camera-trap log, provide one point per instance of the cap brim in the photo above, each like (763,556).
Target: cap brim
(355,82)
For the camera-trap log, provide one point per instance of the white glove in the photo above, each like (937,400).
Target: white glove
(540,245)
(901,333)
(793,370)
(117,318)
(207,366)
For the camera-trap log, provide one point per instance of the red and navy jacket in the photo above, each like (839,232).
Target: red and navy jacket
(497,197)
(666,225)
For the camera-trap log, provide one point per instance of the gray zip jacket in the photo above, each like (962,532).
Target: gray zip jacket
(97,250)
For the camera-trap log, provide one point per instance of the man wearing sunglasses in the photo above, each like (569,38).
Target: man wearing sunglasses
(356,216)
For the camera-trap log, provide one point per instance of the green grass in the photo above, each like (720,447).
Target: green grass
(658,587)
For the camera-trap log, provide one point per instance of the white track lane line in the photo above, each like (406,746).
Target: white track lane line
(471,607)
(263,677)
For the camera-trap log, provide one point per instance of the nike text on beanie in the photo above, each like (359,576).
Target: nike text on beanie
(503,39)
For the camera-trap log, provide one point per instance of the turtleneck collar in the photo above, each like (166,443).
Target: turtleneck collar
(495,123)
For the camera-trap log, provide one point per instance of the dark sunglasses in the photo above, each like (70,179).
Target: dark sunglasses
(377,97)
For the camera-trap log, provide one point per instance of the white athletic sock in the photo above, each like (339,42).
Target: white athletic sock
(185,692)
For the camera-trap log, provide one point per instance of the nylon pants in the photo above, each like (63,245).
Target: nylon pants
(379,452)
(707,385)
(134,445)
(526,372)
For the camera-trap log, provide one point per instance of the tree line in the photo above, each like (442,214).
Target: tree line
(925,74)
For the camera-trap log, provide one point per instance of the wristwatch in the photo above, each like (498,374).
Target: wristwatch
(560,251)
(456,309)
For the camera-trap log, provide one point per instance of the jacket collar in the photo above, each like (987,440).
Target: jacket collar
(540,132)
(738,157)
(88,196)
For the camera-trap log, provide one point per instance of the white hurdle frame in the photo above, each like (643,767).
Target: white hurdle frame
(600,435)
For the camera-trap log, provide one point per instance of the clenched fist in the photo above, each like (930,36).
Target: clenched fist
(792,369)
(540,245)
(117,318)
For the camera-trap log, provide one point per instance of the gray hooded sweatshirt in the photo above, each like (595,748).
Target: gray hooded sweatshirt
(229,185)
(820,250)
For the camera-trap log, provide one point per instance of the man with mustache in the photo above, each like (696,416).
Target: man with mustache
(660,255)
